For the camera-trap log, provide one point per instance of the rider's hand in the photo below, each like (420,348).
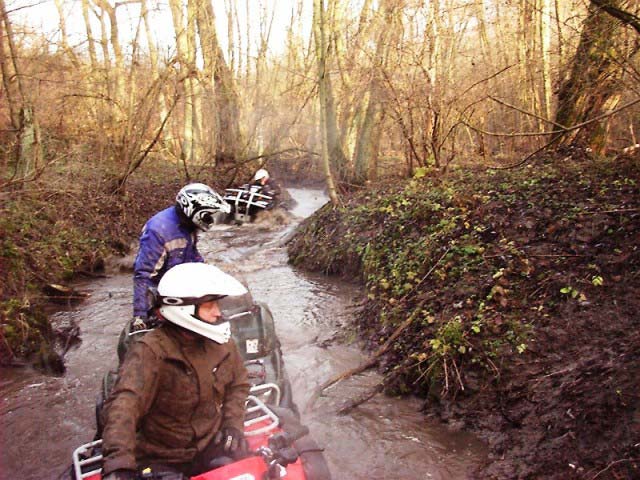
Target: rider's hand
(121,475)
(231,440)
(139,323)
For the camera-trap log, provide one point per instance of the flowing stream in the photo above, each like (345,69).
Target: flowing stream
(44,418)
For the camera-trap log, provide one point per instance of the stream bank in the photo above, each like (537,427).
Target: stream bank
(44,418)
(515,297)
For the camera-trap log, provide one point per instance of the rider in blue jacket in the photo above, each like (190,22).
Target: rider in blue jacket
(170,238)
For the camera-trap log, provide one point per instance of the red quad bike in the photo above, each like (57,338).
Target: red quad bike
(279,448)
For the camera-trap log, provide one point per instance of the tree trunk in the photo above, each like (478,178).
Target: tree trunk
(91,44)
(545,43)
(370,128)
(29,152)
(168,142)
(335,150)
(593,81)
(320,47)
(7,67)
(185,55)
(118,69)
(219,77)
(64,38)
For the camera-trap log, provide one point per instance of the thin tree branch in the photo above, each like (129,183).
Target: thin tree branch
(626,17)
(622,460)
(563,130)
(486,79)
(531,114)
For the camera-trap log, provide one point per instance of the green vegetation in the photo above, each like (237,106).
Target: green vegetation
(481,259)
(60,228)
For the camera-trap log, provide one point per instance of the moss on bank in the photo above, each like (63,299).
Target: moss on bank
(61,227)
(522,288)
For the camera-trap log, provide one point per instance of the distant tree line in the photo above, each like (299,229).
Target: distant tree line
(361,89)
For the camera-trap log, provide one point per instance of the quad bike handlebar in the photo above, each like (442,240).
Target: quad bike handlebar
(262,420)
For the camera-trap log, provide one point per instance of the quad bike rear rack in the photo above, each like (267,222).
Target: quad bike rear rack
(87,458)
(244,200)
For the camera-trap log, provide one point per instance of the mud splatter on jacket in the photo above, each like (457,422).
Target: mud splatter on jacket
(172,395)
(167,239)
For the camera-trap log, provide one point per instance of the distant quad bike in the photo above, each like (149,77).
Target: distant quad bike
(246,202)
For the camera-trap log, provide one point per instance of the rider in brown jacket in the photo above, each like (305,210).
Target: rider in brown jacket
(179,399)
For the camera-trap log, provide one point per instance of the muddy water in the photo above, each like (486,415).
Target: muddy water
(44,418)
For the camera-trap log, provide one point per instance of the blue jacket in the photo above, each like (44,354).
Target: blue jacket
(167,239)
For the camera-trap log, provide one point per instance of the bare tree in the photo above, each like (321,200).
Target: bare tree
(224,108)
(319,32)
(23,115)
(369,130)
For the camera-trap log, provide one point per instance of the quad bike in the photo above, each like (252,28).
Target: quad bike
(279,448)
(246,202)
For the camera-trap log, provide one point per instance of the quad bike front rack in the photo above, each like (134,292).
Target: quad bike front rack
(86,462)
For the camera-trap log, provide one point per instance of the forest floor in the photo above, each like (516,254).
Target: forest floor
(522,294)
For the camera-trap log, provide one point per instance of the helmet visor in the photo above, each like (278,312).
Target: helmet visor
(207,218)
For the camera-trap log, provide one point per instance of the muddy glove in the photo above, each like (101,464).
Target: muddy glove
(139,323)
(121,475)
(231,440)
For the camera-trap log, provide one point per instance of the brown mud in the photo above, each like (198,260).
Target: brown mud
(554,250)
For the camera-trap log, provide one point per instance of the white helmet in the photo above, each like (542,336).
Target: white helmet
(260,174)
(186,286)
(200,203)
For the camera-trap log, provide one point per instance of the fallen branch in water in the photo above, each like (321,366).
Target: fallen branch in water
(350,405)
(372,392)
(373,360)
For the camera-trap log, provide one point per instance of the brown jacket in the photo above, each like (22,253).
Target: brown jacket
(172,395)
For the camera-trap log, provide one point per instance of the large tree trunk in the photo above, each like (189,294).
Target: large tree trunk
(219,80)
(320,44)
(23,116)
(593,82)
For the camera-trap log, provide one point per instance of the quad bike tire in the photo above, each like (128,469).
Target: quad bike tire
(286,399)
(108,381)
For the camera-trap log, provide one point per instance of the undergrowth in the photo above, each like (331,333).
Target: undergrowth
(477,259)
(62,226)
